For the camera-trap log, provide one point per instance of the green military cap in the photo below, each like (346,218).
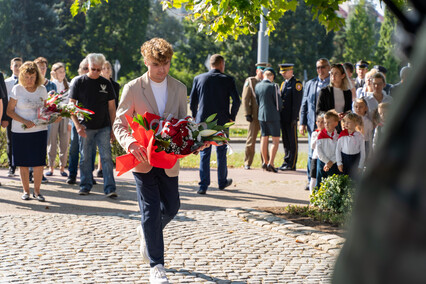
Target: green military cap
(270,69)
(262,65)
(286,67)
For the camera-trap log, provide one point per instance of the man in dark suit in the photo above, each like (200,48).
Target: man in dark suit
(291,95)
(309,103)
(209,95)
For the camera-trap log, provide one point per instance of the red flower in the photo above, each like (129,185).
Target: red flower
(178,139)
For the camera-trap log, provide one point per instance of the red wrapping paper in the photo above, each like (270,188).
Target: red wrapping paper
(145,138)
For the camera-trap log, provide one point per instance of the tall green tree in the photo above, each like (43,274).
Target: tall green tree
(385,52)
(360,38)
(117,30)
(301,40)
(70,49)
(28,30)
(164,24)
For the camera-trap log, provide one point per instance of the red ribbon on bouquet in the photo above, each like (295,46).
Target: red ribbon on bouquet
(145,138)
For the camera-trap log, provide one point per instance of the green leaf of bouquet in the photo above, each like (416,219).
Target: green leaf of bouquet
(229,124)
(211,117)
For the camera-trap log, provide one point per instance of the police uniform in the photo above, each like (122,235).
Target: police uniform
(251,113)
(291,95)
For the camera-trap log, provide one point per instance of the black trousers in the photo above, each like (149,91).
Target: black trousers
(289,137)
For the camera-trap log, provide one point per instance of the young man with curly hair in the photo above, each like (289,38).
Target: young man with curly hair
(157,189)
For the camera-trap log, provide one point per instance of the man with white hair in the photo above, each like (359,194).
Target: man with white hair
(96,93)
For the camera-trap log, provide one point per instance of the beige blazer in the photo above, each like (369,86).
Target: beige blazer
(137,97)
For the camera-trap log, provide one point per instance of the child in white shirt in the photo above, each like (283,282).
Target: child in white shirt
(361,109)
(326,147)
(314,137)
(378,132)
(350,150)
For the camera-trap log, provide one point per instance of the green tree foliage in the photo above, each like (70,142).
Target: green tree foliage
(300,40)
(385,52)
(164,24)
(28,29)
(117,30)
(70,28)
(238,17)
(360,38)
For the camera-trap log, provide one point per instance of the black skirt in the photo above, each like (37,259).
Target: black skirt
(29,149)
(270,128)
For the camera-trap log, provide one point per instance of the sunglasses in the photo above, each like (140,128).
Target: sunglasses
(96,69)
(362,66)
(85,68)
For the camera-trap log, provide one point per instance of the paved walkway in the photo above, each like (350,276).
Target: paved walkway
(216,238)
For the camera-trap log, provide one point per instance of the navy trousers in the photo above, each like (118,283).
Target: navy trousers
(159,202)
(350,164)
(323,174)
(222,168)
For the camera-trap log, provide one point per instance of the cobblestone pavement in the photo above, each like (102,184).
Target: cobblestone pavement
(222,246)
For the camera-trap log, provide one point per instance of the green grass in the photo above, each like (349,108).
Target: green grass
(242,133)
(335,219)
(236,160)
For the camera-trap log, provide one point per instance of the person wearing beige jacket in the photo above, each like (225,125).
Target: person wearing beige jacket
(157,189)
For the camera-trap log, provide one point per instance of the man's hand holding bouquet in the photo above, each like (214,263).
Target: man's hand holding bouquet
(161,142)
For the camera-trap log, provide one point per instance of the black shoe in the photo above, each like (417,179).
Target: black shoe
(202,191)
(271,169)
(307,186)
(71,180)
(94,181)
(228,183)
(264,166)
(287,168)
(11,172)
(283,166)
(247,167)
(99,174)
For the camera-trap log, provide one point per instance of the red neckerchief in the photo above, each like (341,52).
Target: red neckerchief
(345,133)
(323,134)
(317,130)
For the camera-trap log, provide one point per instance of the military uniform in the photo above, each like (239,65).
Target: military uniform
(251,112)
(291,95)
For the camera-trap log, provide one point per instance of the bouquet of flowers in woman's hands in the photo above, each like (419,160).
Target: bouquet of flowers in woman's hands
(55,107)
(169,139)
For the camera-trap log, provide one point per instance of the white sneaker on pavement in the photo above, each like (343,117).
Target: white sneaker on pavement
(143,249)
(158,275)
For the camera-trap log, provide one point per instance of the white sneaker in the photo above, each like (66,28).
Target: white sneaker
(143,249)
(158,275)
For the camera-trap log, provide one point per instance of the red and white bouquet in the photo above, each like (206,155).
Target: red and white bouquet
(169,139)
(55,107)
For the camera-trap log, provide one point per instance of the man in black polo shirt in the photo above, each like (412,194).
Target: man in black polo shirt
(97,94)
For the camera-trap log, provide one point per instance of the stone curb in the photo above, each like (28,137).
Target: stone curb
(328,243)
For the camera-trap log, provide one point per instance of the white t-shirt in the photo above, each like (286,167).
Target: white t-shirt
(339,100)
(27,105)
(60,87)
(160,94)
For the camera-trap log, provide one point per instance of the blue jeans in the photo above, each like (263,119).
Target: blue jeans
(101,138)
(159,202)
(74,153)
(222,168)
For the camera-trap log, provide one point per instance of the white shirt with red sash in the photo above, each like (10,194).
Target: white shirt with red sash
(326,146)
(350,144)
(314,138)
